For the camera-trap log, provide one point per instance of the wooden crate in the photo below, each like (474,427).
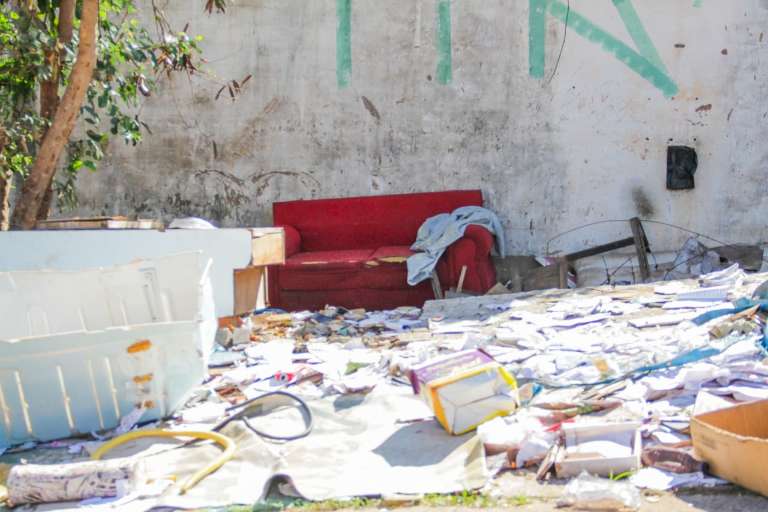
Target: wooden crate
(267,248)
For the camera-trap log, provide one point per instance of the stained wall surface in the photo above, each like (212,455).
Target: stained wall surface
(558,126)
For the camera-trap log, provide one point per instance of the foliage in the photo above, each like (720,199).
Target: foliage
(22,64)
(130,63)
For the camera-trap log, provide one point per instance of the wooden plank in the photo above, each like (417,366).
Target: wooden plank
(562,268)
(594,251)
(135,224)
(463,274)
(542,278)
(249,289)
(267,246)
(641,246)
(436,288)
(117,222)
(84,219)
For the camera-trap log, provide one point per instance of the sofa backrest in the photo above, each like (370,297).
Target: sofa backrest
(367,222)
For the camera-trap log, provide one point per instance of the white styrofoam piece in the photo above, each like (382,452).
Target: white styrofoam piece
(82,249)
(600,436)
(81,349)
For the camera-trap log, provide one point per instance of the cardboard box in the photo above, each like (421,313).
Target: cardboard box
(734,442)
(465,389)
(603,449)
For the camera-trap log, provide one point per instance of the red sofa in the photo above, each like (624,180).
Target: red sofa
(351,252)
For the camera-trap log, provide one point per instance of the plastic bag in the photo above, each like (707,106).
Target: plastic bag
(589,492)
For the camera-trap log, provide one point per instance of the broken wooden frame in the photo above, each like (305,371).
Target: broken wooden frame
(557,275)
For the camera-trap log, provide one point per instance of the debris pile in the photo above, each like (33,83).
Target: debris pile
(603,380)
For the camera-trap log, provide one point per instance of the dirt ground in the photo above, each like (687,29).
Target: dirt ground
(524,494)
(688,501)
(728,498)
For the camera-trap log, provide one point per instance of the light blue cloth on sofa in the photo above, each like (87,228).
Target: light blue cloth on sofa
(440,231)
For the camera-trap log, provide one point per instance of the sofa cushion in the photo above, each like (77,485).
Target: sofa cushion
(390,255)
(367,222)
(323,261)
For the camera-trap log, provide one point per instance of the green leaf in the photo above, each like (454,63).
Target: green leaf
(93,135)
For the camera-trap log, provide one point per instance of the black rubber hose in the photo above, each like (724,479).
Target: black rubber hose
(246,412)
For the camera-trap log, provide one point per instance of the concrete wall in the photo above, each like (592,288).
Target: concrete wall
(462,94)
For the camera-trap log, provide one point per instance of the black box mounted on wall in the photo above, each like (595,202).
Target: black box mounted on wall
(681,166)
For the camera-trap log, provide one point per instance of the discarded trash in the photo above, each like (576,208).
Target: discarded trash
(35,483)
(728,277)
(761,292)
(576,354)
(465,389)
(659,480)
(225,442)
(734,442)
(600,449)
(77,362)
(695,258)
(190,223)
(588,492)
(675,460)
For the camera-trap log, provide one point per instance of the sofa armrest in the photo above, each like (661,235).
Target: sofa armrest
(473,250)
(292,240)
(483,239)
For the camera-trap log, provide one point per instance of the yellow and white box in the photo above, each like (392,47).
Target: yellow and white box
(465,389)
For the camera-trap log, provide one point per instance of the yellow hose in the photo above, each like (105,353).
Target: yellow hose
(225,442)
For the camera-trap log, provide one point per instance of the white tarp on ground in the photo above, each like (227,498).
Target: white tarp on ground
(359,446)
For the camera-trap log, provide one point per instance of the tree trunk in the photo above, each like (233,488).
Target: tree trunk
(49,89)
(5,187)
(5,198)
(57,136)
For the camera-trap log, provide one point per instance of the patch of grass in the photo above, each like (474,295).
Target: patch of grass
(322,506)
(462,499)
(470,499)
(465,499)
(518,501)
(621,476)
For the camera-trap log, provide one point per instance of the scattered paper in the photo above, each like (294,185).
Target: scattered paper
(660,480)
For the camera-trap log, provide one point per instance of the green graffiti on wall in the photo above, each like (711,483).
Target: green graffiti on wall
(644,61)
(537,32)
(444,47)
(343,42)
